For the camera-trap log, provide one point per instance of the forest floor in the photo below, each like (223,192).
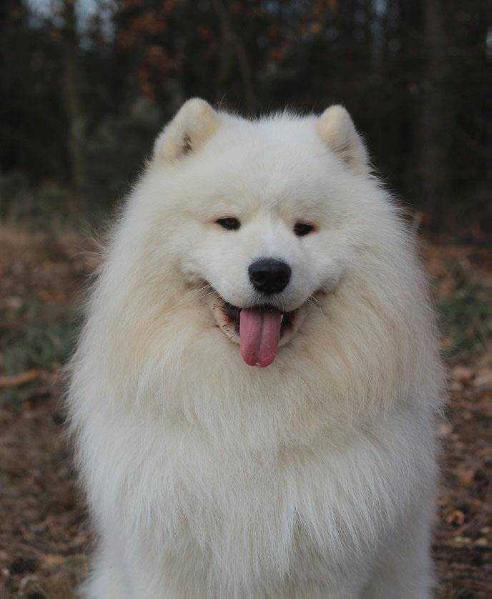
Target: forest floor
(44,535)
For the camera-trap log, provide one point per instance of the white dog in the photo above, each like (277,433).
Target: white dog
(256,388)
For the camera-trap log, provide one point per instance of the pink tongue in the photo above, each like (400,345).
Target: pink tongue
(259,334)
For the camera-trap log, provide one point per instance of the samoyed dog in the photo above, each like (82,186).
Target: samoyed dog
(257,385)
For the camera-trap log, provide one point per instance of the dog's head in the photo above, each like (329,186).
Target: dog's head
(269,215)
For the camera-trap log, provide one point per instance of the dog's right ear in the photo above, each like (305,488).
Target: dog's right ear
(195,122)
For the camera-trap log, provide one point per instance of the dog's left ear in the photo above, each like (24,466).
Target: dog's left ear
(195,122)
(337,130)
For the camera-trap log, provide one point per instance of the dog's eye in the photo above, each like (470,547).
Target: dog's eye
(301,229)
(230,223)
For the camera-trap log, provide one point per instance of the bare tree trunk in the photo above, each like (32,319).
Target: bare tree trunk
(234,41)
(369,17)
(436,121)
(73,104)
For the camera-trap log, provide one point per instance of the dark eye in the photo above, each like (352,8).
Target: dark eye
(301,229)
(230,223)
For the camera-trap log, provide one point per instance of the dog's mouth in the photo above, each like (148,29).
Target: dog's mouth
(260,330)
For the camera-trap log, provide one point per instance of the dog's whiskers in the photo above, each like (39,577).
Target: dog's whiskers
(315,302)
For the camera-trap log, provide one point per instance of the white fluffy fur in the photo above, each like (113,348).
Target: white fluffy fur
(313,477)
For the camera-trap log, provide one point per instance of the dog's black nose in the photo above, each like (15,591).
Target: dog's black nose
(268,275)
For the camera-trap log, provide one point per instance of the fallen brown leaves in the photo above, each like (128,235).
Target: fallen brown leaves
(44,538)
(463,539)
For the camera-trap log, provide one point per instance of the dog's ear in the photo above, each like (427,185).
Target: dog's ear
(337,130)
(194,123)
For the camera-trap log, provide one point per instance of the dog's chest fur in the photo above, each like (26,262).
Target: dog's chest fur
(223,512)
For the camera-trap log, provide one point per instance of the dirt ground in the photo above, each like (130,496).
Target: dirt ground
(44,534)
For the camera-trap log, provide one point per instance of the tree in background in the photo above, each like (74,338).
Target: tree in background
(437,110)
(72,101)
(32,123)
(82,100)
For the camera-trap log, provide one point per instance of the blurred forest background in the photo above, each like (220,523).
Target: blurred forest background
(85,85)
